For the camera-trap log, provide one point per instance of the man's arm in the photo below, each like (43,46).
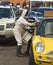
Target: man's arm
(32,24)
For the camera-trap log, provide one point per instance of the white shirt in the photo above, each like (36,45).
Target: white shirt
(21,23)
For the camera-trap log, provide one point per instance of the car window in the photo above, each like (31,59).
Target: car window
(32,14)
(14,8)
(18,12)
(5,13)
(35,9)
(37,14)
(41,30)
(49,28)
(41,10)
(46,28)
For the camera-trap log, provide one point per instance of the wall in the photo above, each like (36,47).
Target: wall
(15,1)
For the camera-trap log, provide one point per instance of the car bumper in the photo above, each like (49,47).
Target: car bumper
(6,33)
(43,59)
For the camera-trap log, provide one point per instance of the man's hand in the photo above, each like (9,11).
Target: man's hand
(33,24)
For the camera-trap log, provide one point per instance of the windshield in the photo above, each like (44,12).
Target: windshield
(5,13)
(37,14)
(46,28)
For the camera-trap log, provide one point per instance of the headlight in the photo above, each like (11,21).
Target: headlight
(10,25)
(39,47)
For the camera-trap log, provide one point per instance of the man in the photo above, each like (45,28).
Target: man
(18,30)
(18,5)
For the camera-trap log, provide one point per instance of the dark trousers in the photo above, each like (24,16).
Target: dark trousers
(28,46)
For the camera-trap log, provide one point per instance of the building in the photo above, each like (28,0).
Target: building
(15,2)
(32,3)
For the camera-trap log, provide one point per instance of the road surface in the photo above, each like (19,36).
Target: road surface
(8,55)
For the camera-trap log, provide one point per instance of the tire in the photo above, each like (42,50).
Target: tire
(31,59)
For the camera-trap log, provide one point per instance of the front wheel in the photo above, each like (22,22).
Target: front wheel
(31,59)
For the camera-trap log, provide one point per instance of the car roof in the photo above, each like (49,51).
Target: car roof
(4,6)
(40,9)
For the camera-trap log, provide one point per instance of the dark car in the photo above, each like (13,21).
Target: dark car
(41,9)
(38,15)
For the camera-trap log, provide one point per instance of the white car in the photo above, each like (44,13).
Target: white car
(7,21)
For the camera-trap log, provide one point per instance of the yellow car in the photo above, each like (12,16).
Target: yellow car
(41,52)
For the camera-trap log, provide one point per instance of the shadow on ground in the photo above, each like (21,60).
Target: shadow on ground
(8,53)
(7,42)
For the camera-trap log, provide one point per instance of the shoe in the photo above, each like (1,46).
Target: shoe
(26,53)
(19,53)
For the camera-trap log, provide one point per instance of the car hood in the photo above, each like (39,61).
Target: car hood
(7,20)
(48,43)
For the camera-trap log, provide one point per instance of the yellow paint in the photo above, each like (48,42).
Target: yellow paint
(48,46)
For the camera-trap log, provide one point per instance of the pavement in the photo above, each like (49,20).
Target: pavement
(8,55)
